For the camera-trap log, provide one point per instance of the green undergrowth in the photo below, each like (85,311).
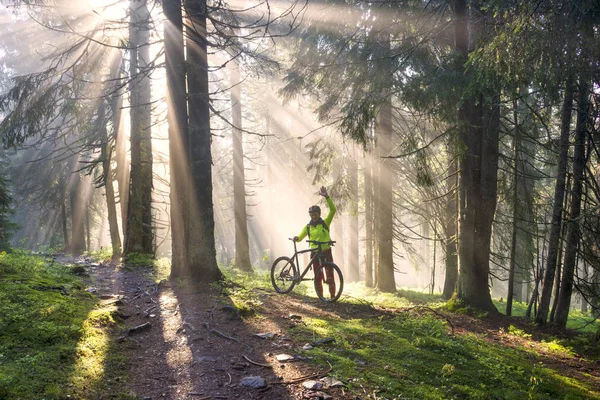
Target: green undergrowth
(414,355)
(54,342)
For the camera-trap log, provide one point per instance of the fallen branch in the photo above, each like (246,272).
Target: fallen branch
(257,363)
(305,378)
(139,329)
(224,336)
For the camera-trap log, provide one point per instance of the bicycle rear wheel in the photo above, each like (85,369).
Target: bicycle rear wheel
(329,282)
(283,273)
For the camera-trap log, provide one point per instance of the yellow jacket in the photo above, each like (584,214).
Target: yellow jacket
(319,232)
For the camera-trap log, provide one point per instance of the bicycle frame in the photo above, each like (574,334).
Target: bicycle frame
(318,255)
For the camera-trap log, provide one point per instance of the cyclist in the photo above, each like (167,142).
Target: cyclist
(318,229)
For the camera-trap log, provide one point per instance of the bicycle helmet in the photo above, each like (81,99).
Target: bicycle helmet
(314,209)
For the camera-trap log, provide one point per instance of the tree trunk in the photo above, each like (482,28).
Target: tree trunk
(353,263)
(77,245)
(515,216)
(561,248)
(385,217)
(368,172)
(88,227)
(177,117)
(106,154)
(451,277)
(242,248)
(202,254)
(63,213)
(559,191)
(139,232)
(572,240)
(478,167)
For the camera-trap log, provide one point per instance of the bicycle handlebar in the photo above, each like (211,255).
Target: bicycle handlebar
(331,242)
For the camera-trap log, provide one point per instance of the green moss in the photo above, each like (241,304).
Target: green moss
(53,342)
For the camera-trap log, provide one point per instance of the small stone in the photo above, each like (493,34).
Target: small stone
(361,363)
(307,346)
(295,316)
(312,385)
(265,335)
(284,357)
(152,315)
(323,341)
(253,382)
(332,382)
(318,395)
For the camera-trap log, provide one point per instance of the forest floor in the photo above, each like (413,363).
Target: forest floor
(190,342)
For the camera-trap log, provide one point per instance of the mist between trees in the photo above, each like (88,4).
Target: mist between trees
(457,139)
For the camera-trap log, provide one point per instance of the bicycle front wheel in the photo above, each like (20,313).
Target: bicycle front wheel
(283,273)
(329,282)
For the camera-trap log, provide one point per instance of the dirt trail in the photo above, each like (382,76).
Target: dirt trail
(189,343)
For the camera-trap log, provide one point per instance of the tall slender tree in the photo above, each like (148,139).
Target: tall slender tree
(242,248)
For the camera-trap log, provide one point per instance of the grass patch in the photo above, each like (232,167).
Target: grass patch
(406,355)
(411,356)
(161,267)
(53,342)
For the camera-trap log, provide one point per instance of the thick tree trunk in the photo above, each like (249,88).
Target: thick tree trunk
(559,190)
(478,166)
(202,254)
(572,240)
(368,172)
(242,248)
(451,277)
(177,117)
(139,233)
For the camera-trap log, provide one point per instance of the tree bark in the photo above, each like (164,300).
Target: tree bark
(478,167)
(77,245)
(515,216)
(559,191)
(139,232)
(572,240)
(385,217)
(242,248)
(451,277)
(177,117)
(113,225)
(353,263)
(368,172)
(202,255)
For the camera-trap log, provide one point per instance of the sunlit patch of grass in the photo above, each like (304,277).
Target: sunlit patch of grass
(52,342)
(161,267)
(411,356)
(102,255)
(556,347)
(512,330)
(406,355)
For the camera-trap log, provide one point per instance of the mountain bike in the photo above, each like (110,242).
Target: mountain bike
(285,273)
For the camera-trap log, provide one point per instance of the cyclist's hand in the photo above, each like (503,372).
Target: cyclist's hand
(323,191)
(295,238)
